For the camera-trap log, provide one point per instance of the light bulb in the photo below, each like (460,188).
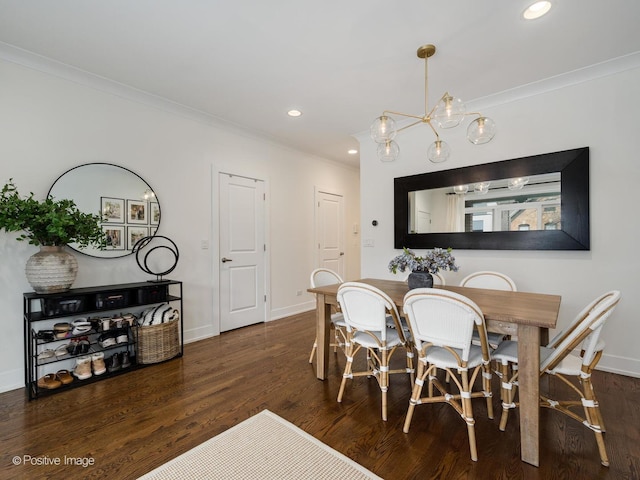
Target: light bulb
(438,152)
(383,129)
(388,151)
(481,130)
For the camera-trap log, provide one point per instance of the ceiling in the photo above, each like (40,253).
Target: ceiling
(341,62)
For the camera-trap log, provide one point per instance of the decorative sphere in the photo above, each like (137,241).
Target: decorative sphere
(438,152)
(388,152)
(481,130)
(383,129)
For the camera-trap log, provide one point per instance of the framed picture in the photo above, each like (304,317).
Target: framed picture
(153,231)
(115,236)
(137,212)
(134,234)
(154,213)
(112,209)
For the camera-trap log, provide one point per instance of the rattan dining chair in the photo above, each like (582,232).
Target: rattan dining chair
(319,278)
(558,360)
(442,323)
(493,281)
(365,309)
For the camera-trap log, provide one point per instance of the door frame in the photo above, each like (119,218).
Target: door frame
(214,256)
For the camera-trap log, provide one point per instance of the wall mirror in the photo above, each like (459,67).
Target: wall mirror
(539,202)
(128,203)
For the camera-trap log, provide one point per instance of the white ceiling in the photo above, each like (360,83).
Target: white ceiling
(341,62)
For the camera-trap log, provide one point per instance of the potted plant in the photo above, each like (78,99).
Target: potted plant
(49,224)
(421,267)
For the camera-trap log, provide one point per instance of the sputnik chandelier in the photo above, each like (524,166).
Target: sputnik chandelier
(448,113)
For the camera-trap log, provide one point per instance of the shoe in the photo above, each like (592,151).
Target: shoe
(97,362)
(107,339)
(122,336)
(114,363)
(46,335)
(45,354)
(49,381)
(80,326)
(130,318)
(83,368)
(64,376)
(62,350)
(126,361)
(61,330)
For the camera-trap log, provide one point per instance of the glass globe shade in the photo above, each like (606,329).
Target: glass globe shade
(460,189)
(481,130)
(438,152)
(388,151)
(482,188)
(449,112)
(517,183)
(383,129)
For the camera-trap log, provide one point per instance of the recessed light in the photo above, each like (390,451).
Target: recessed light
(294,113)
(536,10)
(353,151)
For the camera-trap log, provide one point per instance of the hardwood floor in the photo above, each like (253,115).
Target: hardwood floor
(128,425)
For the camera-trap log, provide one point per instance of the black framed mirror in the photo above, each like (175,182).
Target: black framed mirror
(556,186)
(128,203)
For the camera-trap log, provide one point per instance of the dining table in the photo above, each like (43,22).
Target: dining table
(529,316)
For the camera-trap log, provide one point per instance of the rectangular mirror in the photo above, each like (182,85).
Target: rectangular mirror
(539,202)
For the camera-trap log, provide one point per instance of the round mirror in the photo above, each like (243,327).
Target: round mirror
(126,201)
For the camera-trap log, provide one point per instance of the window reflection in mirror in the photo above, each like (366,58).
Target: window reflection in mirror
(490,206)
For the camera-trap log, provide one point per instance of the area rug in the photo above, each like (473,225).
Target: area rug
(263,447)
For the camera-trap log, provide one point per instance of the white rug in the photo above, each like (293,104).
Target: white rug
(263,447)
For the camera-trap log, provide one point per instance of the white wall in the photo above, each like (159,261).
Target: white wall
(50,124)
(600,113)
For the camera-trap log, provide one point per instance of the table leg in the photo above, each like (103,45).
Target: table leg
(529,381)
(323,322)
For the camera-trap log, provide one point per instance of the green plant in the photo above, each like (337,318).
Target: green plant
(48,222)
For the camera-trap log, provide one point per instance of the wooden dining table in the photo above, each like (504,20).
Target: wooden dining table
(529,316)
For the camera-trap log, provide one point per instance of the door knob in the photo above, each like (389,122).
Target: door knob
(225,260)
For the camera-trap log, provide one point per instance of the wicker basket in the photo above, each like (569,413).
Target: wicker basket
(157,343)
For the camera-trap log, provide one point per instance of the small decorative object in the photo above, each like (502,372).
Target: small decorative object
(421,267)
(49,224)
(162,265)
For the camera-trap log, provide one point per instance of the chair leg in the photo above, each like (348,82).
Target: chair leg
(415,395)
(486,388)
(507,394)
(384,380)
(313,350)
(593,417)
(347,370)
(467,413)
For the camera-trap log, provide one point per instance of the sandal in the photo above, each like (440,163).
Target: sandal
(48,353)
(49,381)
(62,350)
(64,376)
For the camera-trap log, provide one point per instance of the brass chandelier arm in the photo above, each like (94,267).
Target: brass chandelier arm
(422,120)
(420,117)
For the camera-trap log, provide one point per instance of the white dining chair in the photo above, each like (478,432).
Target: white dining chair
(558,360)
(321,277)
(494,281)
(442,323)
(365,309)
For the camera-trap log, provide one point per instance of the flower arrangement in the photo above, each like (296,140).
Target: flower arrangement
(433,261)
(48,222)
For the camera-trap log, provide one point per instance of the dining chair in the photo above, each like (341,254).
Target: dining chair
(494,281)
(557,359)
(442,324)
(319,278)
(365,309)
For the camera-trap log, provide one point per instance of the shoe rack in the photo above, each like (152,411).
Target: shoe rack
(88,334)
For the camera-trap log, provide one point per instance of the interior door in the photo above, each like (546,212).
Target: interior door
(330,231)
(242,252)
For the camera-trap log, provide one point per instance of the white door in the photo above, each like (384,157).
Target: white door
(330,231)
(242,252)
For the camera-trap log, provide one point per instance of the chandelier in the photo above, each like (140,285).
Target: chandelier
(448,113)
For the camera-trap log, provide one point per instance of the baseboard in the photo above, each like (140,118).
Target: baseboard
(620,365)
(279,313)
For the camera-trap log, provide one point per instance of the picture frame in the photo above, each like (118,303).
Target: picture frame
(134,234)
(115,236)
(137,212)
(154,213)
(112,209)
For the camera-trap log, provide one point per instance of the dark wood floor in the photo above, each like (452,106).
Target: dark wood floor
(130,424)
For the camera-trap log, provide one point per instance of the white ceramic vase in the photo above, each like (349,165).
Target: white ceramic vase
(51,270)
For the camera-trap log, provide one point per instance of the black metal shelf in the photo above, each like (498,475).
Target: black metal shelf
(87,301)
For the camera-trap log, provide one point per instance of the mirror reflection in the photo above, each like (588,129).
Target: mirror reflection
(514,204)
(127,203)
